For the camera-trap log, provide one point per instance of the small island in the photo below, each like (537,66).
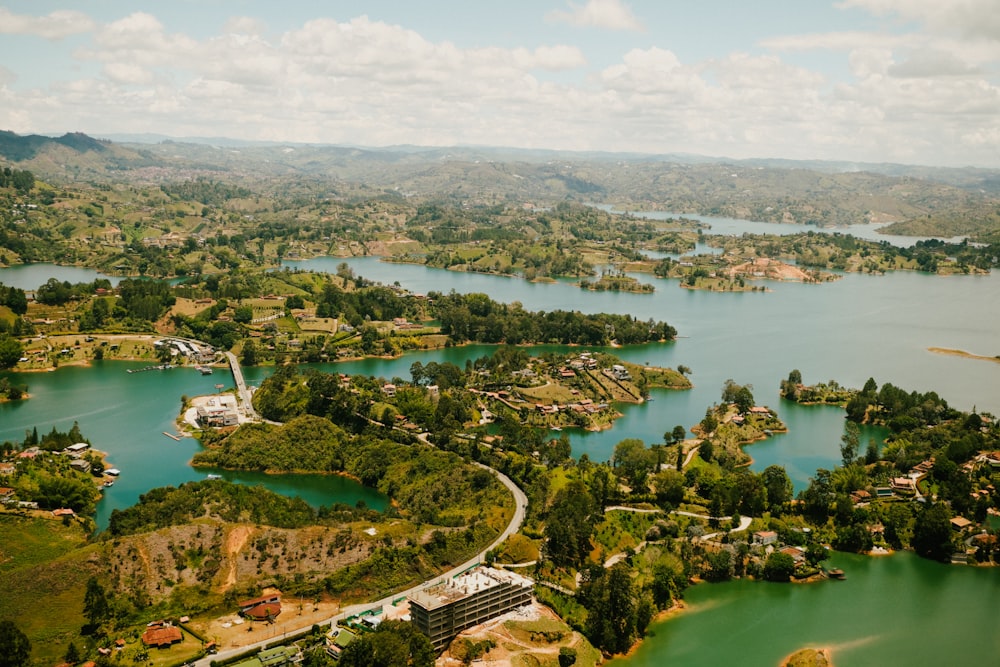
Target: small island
(809,657)
(616,283)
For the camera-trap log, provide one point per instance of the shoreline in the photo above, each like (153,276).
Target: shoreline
(951,352)
(678,607)
(86,362)
(814,657)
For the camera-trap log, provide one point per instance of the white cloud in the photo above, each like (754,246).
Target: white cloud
(56,25)
(127,73)
(968,18)
(932,63)
(906,97)
(608,14)
(837,41)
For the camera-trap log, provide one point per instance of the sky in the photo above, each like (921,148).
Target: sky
(907,81)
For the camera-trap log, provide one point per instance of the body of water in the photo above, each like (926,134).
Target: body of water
(30,277)
(894,610)
(125,415)
(898,610)
(736,227)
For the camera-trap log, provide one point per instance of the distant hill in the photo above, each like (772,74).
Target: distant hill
(17,148)
(920,200)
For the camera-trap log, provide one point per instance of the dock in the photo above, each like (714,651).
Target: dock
(161,367)
(171,435)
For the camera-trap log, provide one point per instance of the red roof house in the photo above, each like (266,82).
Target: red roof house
(162,636)
(264,608)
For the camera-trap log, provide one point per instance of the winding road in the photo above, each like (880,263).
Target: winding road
(520,507)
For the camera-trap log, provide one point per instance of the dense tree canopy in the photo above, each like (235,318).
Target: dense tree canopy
(10,351)
(569,525)
(392,644)
(15,649)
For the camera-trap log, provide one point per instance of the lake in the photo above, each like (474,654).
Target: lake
(125,414)
(893,610)
(898,610)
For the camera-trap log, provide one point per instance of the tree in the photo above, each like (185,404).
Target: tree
(611,610)
(243,314)
(779,567)
(10,351)
(569,525)
(720,565)
(850,442)
(72,654)
(567,656)
(740,394)
(633,462)
(790,387)
(15,649)
(932,533)
(816,553)
(249,355)
(709,423)
(669,487)
(744,399)
(818,496)
(778,486)
(392,644)
(95,604)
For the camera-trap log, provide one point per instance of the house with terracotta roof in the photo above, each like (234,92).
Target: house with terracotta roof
(765,537)
(903,485)
(162,636)
(264,608)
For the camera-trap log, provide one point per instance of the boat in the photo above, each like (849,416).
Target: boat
(114,472)
(213,476)
(836,573)
(109,482)
(205,370)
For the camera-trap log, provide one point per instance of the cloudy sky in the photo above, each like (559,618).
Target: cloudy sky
(912,81)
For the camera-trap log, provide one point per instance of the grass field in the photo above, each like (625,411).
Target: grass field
(44,573)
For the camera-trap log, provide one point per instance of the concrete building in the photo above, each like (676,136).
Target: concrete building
(219,411)
(441,612)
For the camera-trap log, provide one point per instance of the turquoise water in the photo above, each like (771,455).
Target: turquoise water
(890,611)
(125,414)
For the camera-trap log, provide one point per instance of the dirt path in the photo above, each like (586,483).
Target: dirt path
(235,542)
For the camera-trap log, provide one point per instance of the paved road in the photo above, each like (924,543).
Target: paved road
(637,510)
(241,388)
(520,505)
(745,521)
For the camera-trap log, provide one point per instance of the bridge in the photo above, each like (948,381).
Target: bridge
(245,398)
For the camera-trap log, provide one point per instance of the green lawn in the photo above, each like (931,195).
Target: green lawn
(44,575)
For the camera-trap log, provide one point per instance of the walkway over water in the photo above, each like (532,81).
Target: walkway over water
(246,400)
